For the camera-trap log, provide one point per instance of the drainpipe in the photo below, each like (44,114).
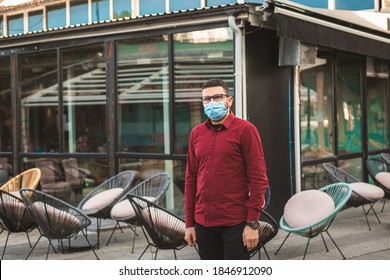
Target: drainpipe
(238,66)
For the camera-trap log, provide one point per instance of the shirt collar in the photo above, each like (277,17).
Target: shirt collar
(226,124)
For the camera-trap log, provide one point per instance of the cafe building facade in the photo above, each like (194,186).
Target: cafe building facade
(118,89)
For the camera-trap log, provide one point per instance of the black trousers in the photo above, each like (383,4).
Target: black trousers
(221,243)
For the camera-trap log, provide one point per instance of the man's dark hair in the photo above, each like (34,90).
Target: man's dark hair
(216,83)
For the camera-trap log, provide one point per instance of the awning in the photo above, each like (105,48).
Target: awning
(349,31)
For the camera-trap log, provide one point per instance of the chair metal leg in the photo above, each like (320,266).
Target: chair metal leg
(134,234)
(266,253)
(98,225)
(323,240)
(32,249)
(282,243)
(365,216)
(5,245)
(112,233)
(307,247)
(28,238)
(174,253)
(90,245)
(144,251)
(383,205)
(335,244)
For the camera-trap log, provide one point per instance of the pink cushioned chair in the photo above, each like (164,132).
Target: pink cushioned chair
(310,213)
(362,193)
(379,171)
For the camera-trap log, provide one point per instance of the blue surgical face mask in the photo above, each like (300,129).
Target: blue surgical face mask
(215,110)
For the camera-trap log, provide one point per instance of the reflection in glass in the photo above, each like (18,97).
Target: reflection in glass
(377,113)
(316,110)
(143,95)
(314,177)
(145,168)
(6,170)
(1,26)
(15,24)
(348,89)
(39,102)
(148,7)
(35,21)
(220,2)
(122,8)
(5,106)
(78,12)
(56,16)
(84,99)
(100,10)
(352,166)
(199,56)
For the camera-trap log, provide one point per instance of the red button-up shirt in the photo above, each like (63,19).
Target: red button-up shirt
(226,174)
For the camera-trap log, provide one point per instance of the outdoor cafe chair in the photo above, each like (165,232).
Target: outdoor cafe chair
(101,199)
(29,178)
(362,193)
(310,213)
(15,217)
(163,230)
(379,171)
(153,189)
(55,219)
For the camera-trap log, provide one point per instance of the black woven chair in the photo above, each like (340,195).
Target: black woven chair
(101,199)
(377,167)
(14,216)
(267,231)
(55,218)
(371,192)
(163,230)
(153,188)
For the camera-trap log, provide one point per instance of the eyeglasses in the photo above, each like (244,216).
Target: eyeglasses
(216,98)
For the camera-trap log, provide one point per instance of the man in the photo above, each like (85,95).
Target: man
(225,180)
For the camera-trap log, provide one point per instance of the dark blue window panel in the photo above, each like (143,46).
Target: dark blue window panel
(15,25)
(78,12)
(56,16)
(177,5)
(354,5)
(35,21)
(122,8)
(100,10)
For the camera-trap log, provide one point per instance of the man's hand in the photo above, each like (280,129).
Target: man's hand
(190,236)
(250,237)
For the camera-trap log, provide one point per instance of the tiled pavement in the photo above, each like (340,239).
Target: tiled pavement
(349,230)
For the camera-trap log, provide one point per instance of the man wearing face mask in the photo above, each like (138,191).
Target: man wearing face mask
(225,180)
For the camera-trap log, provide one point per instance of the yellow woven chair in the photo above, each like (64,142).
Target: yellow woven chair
(28,179)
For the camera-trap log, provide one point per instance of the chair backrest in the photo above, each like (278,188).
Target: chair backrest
(340,194)
(385,157)
(103,197)
(14,214)
(154,187)
(29,178)
(164,228)
(336,174)
(55,218)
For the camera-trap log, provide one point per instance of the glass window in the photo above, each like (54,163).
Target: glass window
(15,24)
(78,12)
(122,8)
(35,21)
(100,10)
(148,7)
(6,170)
(220,2)
(5,106)
(316,110)
(84,99)
(56,16)
(314,177)
(313,3)
(199,56)
(348,90)
(352,166)
(354,5)
(39,102)
(143,95)
(177,5)
(377,113)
